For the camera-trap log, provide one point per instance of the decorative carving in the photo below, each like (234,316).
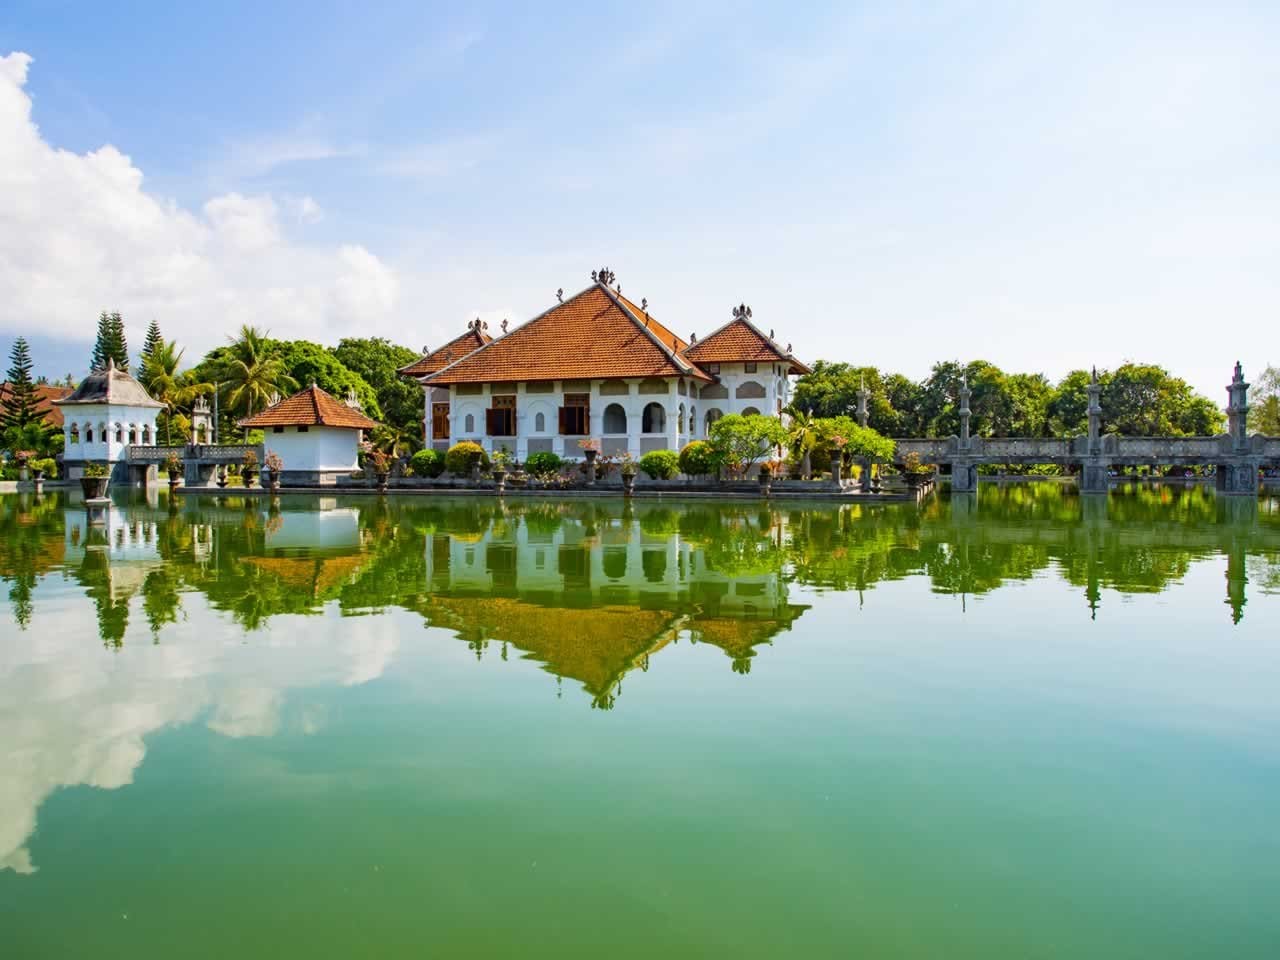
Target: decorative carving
(742,312)
(644,303)
(603,275)
(771,333)
(560,294)
(788,349)
(504,324)
(426,351)
(693,338)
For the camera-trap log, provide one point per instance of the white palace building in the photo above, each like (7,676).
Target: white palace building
(597,366)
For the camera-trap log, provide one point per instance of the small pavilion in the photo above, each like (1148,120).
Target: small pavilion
(102,418)
(316,436)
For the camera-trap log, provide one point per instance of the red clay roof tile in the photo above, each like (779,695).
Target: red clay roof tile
(455,349)
(310,407)
(738,341)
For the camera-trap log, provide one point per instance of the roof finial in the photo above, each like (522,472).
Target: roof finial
(693,337)
(741,312)
(504,324)
(788,349)
(604,276)
(1094,375)
(426,350)
(560,294)
(771,333)
(111,363)
(644,303)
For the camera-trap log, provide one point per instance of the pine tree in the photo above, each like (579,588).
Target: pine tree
(20,400)
(153,340)
(101,346)
(119,346)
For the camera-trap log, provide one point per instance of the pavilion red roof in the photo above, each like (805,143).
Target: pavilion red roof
(310,407)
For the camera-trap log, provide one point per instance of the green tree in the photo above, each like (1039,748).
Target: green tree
(802,437)
(21,404)
(306,363)
(1144,400)
(153,341)
(111,343)
(160,376)
(252,373)
(1068,408)
(1264,406)
(376,361)
(740,441)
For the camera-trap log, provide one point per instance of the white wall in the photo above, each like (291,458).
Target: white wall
(319,448)
(105,420)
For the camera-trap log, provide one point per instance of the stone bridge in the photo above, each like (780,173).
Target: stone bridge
(200,461)
(1236,457)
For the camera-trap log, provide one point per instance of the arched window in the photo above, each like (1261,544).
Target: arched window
(469,424)
(693,421)
(133,433)
(615,418)
(654,419)
(88,433)
(751,412)
(74,435)
(714,414)
(540,423)
(146,433)
(749,390)
(119,433)
(680,419)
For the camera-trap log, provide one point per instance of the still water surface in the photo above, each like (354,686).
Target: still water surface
(1019,724)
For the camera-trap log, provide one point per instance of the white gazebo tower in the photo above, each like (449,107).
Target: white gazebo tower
(106,414)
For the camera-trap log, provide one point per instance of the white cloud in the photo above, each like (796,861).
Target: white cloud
(79,233)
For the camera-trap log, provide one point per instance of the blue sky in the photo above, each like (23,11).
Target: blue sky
(1043,186)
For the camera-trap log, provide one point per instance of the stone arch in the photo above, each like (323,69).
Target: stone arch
(654,419)
(714,414)
(750,390)
(750,412)
(615,418)
(539,423)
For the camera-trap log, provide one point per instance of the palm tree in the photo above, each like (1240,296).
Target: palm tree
(161,378)
(802,436)
(252,375)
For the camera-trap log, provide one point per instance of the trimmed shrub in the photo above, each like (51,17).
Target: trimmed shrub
(660,464)
(698,459)
(465,455)
(427,463)
(48,465)
(542,463)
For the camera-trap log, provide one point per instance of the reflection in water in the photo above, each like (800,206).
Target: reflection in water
(589,590)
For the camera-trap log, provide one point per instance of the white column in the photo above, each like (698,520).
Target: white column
(673,414)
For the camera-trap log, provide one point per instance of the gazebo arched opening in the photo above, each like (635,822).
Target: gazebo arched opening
(615,418)
(654,419)
(714,414)
(750,412)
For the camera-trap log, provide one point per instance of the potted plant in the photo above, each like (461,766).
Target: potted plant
(766,479)
(173,467)
(913,471)
(94,481)
(274,466)
(248,467)
(380,461)
(628,468)
(501,459)
(590,449)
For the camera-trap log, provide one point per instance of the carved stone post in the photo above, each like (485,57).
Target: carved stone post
(1093,469)
(864,479)
(965,412)
(1238,411)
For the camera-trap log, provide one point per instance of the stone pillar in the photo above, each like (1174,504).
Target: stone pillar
(964,476)
(864,479)
(1238,411)
(1094,390)
(673,422)
(965,393)
(1093,469)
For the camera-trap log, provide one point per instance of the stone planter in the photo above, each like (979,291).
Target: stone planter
(837,465)
(95,488)
(591,465)
(475,473)
(500,479)
(273,478)
(381,480)
(766,483)
(628,484)
(247,477)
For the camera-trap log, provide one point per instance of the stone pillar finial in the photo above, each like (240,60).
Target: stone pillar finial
(965,412)
(1238,409)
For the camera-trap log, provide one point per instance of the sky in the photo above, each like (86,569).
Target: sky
(1043,186)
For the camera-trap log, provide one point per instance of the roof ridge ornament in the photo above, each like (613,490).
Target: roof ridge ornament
(742,312)
(560,294)
(605,276)
(504,324)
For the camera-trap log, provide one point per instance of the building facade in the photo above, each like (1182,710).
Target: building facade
(107,413)
(316,437)
(597,367)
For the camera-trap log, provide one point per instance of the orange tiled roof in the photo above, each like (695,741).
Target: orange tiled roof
(455,349)
(46,394)
(592,335)
(310,407)
(738,341)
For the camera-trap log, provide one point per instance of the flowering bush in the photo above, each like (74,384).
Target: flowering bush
(660,464)
(427,463)
(463,456)
(698,459)
(274,463)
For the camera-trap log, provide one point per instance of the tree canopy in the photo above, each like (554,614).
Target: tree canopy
(739,441)
(110,343)
(376,361)
(1264,403)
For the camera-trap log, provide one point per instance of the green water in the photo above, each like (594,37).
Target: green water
(1017,725)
